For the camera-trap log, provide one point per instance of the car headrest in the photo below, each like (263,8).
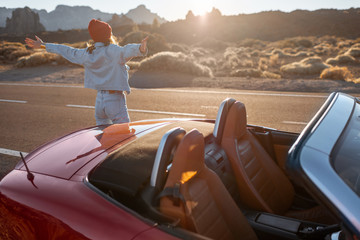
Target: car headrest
(164,156)
(221,118)
(188,158)
(236,122)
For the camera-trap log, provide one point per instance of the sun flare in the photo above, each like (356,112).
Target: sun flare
(200,8)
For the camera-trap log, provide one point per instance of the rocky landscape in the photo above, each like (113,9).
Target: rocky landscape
(303,49)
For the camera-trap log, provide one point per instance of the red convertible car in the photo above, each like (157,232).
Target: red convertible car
(192,179)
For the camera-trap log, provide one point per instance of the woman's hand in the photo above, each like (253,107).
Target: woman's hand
(34,43)
(143,46)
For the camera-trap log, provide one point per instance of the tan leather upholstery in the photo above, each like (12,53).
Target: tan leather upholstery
(262,184)
(207,207)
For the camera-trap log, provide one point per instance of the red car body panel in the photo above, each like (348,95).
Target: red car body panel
(103,219)
(58,199)
(63,157)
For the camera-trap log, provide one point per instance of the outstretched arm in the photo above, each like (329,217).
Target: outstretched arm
(72,54)
(143,46)
(34,43)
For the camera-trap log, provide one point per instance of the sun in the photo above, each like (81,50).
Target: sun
(201,7)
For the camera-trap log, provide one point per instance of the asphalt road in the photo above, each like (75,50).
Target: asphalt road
(31,115)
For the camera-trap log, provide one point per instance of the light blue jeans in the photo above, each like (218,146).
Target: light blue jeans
(110,108)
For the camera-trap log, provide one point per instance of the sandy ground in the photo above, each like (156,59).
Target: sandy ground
(75,75)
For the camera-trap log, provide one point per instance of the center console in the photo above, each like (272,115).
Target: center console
(270,226)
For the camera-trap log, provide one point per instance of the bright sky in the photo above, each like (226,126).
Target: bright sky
(177,9)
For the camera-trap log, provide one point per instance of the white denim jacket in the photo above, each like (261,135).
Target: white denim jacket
(105,67)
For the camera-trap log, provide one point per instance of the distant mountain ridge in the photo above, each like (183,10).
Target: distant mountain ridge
(77,17)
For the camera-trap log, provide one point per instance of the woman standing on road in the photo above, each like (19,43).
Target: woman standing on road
(105,69)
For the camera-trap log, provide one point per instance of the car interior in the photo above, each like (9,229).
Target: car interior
(219,180)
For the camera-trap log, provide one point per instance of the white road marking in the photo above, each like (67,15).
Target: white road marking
(209,107)
(235,93)
(80,106)
(12,101)
(146,111)
(182,90)
(11,152)
(42,85)
(295,123)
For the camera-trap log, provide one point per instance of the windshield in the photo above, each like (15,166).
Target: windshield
(346,160)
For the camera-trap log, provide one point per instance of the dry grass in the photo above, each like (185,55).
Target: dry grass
(274,60)
(248,72)
(271,75)
(39,58)
(177,62)
(338,73)
(10,51)
(302,42)
(263,64)
(298,57)
(254,73)
(35,59)
(307,66)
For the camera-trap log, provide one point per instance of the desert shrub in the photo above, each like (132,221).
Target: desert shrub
(345,44)
(324,49)
(304,42)
(133,65)
(307,66)
(231,59)
(39,58)
(294,42)
(248,72)
(178,62)
(211,43)
(208,61)
(230,52)
(35,59)
(18,53)
(282,54)
(156,42)
(341,59)
(255,53)
(254,73)
(11,51)
(338,73)
(301,54)
(356,45)
(274,60)
(236,57)
(252,43)
(353,51)
(332,40)
(199,52)
(271,75)
(246,63)
(263,64)
(175,47)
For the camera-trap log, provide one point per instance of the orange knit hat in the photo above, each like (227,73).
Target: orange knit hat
(99,31)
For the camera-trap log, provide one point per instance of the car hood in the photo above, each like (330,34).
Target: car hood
(64,156)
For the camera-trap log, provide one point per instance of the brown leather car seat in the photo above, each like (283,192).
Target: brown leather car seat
(262,184)
(199,200)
